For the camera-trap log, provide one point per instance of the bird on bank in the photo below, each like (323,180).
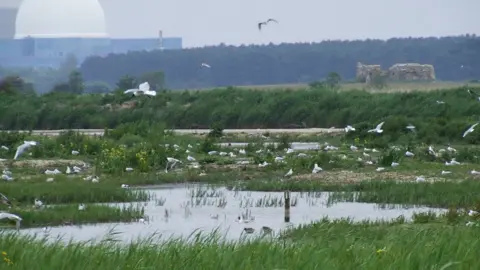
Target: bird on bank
(24,147)
(260,24)
(289,173)
(4,215)
(143,89)
(349,128)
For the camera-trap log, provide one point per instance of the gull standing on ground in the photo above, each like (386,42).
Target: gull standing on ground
(378,128)
(4,215)
(470,130)
(349,128)
(289,173)
(38,203)
(409,154)
(316,169)
(24,147)
(143,89)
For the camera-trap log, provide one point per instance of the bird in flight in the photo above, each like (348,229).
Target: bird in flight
(265,23)
(206,65)
(474,94)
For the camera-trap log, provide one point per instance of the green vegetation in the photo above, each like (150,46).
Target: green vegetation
(236,108)
(142,142)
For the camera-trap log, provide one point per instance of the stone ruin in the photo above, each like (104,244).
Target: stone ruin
(365,72)
(397,72)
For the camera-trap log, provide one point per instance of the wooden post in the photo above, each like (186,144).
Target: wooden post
(286,196)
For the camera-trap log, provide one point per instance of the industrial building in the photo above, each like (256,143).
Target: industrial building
(29,38)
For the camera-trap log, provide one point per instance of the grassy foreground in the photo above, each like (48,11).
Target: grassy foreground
(324,245)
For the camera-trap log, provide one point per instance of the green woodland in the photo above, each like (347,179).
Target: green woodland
(454,59)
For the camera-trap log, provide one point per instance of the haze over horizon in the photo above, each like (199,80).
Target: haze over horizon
(211,22)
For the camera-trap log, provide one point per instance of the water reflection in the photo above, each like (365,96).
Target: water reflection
(191,207)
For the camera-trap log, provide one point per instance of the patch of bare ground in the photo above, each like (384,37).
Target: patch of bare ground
(350,177)
(42,163)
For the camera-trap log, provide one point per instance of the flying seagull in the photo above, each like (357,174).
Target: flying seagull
(206,65)
(378,128)
(470,130)
(474,94)
(22,148)
(265,23)
(143,89)
(17,219)
(5,200)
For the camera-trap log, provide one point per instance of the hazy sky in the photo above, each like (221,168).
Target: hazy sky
(209,22)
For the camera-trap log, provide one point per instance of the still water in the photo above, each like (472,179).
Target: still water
(191,207)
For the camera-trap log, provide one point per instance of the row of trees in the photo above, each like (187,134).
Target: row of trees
(454,58)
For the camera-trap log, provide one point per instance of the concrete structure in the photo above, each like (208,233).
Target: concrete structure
(411,72)
(63,27)
(365,72)
(397,72)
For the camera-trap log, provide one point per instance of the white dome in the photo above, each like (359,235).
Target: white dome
(60,18)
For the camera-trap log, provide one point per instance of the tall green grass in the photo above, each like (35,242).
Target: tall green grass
(325,245)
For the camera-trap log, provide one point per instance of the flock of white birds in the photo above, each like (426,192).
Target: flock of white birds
(144,89)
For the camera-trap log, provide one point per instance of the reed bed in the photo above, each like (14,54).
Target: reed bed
(323,245)
(436,194)
(70,215)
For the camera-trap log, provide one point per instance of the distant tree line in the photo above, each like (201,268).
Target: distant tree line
(454,58)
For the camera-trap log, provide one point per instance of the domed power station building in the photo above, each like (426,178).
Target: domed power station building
(32,33)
